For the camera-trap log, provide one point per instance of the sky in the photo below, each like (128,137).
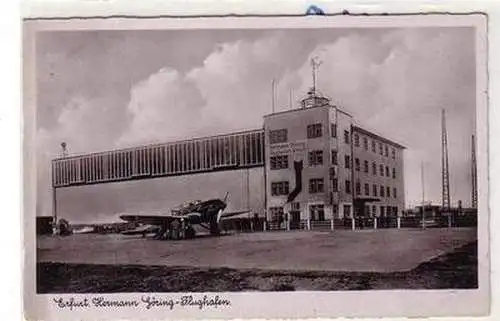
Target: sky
(100,90)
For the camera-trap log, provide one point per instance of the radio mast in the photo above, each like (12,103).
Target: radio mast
(444,169)
(474,173)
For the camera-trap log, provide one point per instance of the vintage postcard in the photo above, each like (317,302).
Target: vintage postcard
(293,167)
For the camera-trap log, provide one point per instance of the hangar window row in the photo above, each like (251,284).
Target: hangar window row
(245,149)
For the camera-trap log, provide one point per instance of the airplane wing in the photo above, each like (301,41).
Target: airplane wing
(156,220)
(231,214)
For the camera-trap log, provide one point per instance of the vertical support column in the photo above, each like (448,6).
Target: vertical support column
(353,223)
(54,210)
(308,224)
(399,222)
(265,225)
(375,222)
(332,224)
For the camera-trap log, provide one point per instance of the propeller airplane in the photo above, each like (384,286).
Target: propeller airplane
(208,214)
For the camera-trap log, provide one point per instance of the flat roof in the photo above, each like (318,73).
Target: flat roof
(132,148)
(372,134)
(306,108)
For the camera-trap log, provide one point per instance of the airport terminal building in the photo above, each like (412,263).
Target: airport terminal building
(314,164)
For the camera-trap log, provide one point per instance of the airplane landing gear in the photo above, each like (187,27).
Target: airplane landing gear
(190,233)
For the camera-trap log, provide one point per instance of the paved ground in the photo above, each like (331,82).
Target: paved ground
(387,250)
(455,270)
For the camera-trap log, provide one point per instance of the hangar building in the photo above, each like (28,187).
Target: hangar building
(317,164)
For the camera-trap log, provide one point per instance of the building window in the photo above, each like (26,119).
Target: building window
(367,210)
(375,190)
(367,189)
(317,212)
(394,192)
(374,147)
(333,128)
(381,170)
(381,148)
(279,162)
(366,166)
(382,191)
(346,136)
(386,150)
(314,131)
(332,173)
(388,191)
(357,164)
(279,188)
(347,161)
(278,136)
(334,157)
(358,188)
(387,173)
(347,210)
(374,210)
(365,143)
(348,186)
(393,173)
(393,153)
(316,157)
(295,206)
(382,211)
(374,169)
(316,185)
(335,185)
(335,210)
(356,140)
(277,214)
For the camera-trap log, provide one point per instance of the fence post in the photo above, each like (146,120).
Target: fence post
(375,222)
(353,223)
(399,222)
(332,224)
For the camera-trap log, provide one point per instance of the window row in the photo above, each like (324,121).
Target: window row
(317,212)
(377,190)
(382,149)
(208,154)
(277,136)
(382,171)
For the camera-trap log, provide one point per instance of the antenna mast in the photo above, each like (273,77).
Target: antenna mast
(444,166)
(423,195)
(474,173)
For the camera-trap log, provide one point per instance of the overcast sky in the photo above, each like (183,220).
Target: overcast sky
(100,90)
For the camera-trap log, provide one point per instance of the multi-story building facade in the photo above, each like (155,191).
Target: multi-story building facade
(321,166)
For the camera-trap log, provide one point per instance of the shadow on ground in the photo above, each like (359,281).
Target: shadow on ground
(455,270)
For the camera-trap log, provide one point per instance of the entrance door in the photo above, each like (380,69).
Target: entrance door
(294,220)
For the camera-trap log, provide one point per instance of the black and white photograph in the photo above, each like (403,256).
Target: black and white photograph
(267,157)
